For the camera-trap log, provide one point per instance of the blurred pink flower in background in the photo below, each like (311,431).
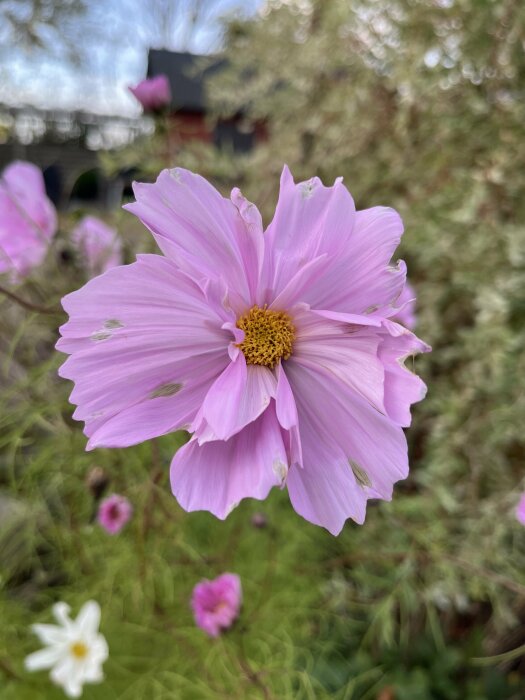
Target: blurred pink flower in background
(216,604)
(276,349)
(98,243)
(28,219)
(520,510)
(153,93)
(114,512)
(407,307)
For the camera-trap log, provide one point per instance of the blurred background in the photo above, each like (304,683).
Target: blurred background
(420,105)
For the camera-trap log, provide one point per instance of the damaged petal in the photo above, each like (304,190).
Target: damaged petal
(307,189)
(280,470)
(360,474)
(112,323)
(165,390)
(395,267)
(100,335)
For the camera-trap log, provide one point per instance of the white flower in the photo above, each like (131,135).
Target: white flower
(74,651)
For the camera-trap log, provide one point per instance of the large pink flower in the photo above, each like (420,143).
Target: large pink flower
(99,245)
(216,604)
(153,93)
(28,219)
(276,349)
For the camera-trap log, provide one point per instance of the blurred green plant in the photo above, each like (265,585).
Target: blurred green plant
(419,105)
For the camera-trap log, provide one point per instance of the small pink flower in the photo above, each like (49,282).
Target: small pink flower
(216,604)
(114,512)
(153,93)
(28,219)
(407,307)
(520,510)
(98,244)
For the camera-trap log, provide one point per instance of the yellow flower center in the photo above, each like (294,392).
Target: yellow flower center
(268,336)
(79,650)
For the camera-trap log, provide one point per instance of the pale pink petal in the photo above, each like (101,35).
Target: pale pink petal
(159,415)
(217,475)
(310,220)
(238,397)
(200,230)
(339,428)
(25,184)
(24,180)
(402,386)
(362,280)
(288,418)
(144,342)
(225,302)
(352,319)
(250,241)
(27,219)
(520,510)
(324,491)
(285,402)
(21,248)
(347,351)
(293,290)
(406,307)
(327,499)
(98,244)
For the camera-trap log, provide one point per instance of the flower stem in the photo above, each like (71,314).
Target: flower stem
(27,304)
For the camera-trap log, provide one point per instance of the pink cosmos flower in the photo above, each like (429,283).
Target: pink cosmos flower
(28,219)
(216,604)
(406,304)
(98,244)
(520,510)
(153,93)
(114,512)
(276,350)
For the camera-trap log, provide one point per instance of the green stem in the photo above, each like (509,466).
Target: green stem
(27,304)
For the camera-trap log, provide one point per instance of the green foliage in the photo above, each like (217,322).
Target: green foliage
(419,105)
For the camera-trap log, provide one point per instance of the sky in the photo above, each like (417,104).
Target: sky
(111,41)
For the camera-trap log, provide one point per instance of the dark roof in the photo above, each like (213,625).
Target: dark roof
(187,73)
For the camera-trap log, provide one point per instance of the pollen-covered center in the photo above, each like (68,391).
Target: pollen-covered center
(268,336)
(79,650)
